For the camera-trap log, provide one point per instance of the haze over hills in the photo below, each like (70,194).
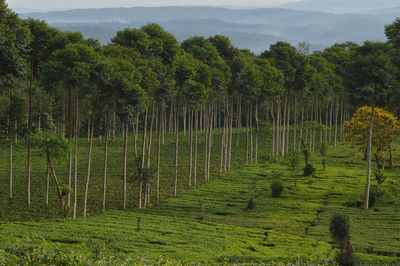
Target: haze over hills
(342,6)
(253,29)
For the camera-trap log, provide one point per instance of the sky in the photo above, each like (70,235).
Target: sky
(76,4)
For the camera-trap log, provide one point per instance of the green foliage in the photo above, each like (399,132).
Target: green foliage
(52,145)
(309,170)
(251,204)
(294,159)
(339,227)
(276,189)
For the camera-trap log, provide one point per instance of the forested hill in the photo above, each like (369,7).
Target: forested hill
(254,29)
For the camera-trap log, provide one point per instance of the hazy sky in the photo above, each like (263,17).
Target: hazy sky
(69,4)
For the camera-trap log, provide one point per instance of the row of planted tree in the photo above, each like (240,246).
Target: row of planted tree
(147,83)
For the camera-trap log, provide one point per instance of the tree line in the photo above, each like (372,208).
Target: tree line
(58,87)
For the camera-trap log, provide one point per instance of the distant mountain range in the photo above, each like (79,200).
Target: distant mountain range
(253,29)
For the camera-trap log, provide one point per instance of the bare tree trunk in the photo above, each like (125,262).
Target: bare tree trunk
(28,139)
(326,122)
(176,148)
(284,126)
(341,118)
(206,129)
(171,117)
(369,152)
(196,123)
(257,131)
(150,134)
(70,145)
(143,156)
(336,118)
(230,135)
(330,121)
(126,136)
(184,119)
(10,163)
(278,126)
(114,124)
(288,128)
(210,142)
(247,133)
(190,111)
(47,184)
(302,123)
(251,132)
(239,121)
(76,157)
(221,158)
(295,122)
(159,123)
(91,129)
(273,128)
(106,138)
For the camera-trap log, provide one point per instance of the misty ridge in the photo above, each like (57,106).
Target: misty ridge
(319,23)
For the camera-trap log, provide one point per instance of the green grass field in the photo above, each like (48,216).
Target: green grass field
(209,224)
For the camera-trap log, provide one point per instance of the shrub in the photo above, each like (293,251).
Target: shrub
(276,189)
(251,204)
(309,170)
(339,227)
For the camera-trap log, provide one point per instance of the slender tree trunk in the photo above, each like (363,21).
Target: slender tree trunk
(295,122)
(28,139)
(126,136)
(221,158)
(47,184)
(330,121)
(10,164)
(369,152)
(302,124)
(284,126)
(190,147)
(273,128)
(58,185)
(196,123)
(336,119)
(326,122)
(239,121)
(210,143)
(76,157)
(206,129)
(91,128)
(70,145)
(278,126)
(288,128)
(247,133)
(113,124)
(143,156)
(251,133)
(176,148)
(150,134)
(106,138)
(230,135)
(159,123)
(341,118)
(184,119)
(257,131)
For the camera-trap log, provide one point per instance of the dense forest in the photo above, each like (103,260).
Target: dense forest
(61,91)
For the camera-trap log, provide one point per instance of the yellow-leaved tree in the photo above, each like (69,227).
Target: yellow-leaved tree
(386,127)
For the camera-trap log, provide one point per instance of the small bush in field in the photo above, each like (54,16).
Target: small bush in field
(276,189)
